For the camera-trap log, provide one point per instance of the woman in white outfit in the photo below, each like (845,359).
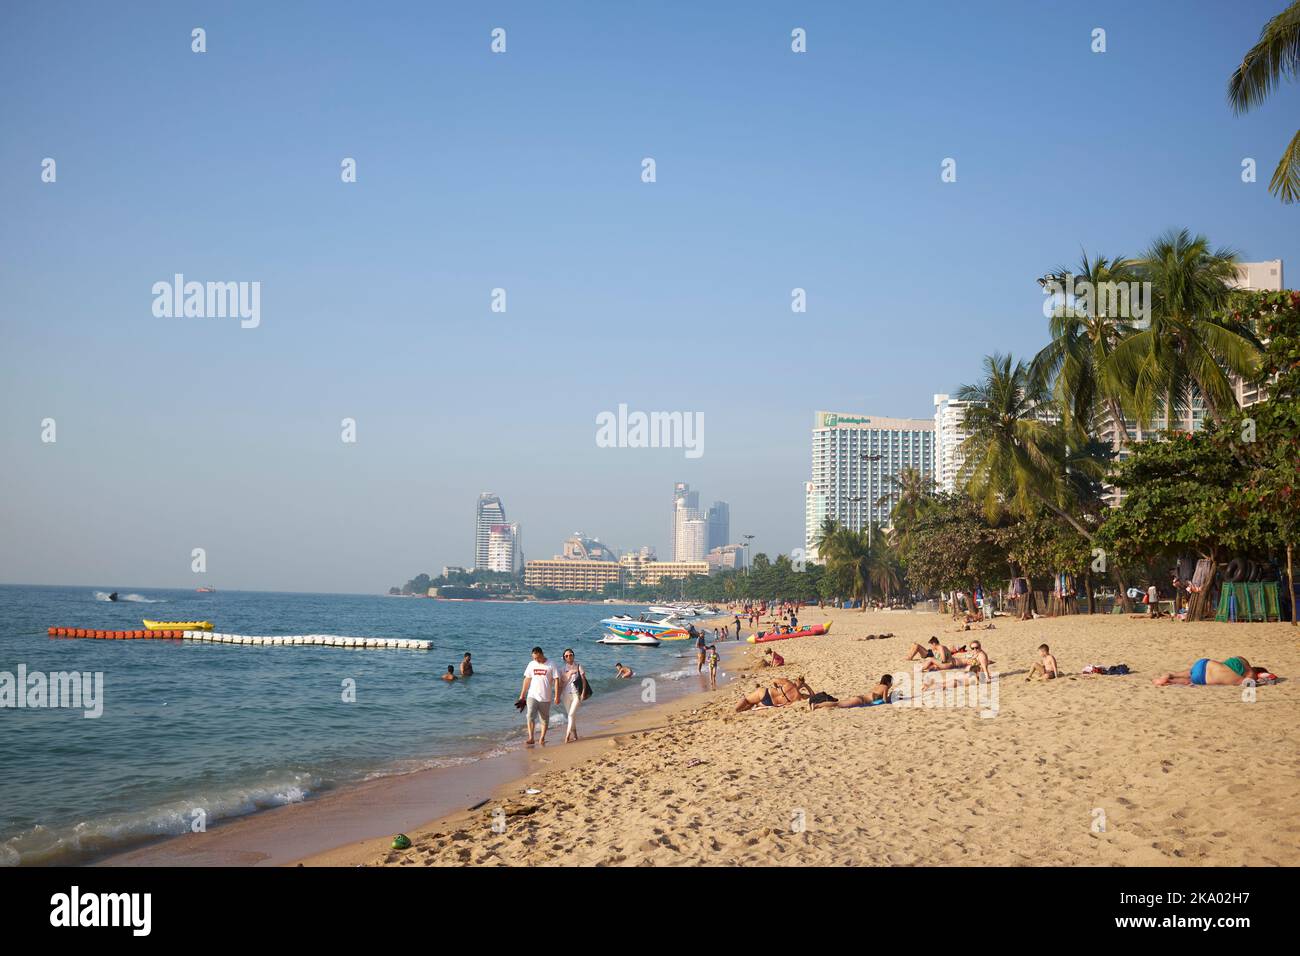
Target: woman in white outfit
(572,677)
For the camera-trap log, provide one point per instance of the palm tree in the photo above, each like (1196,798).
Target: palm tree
(1016,456)
(824,533)
(908,490)
(886,573)
(1077,365)
(1275,56)
(851,551)
(1189,346)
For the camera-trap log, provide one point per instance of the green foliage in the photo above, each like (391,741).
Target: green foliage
(954,546)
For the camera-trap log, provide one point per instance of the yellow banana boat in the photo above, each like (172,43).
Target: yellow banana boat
(178,625)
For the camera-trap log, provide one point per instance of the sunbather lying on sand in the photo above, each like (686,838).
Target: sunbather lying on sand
(781,692)
(879,692)
(1235,670)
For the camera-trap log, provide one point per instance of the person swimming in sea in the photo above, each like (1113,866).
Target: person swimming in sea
(1207,672)
(451,673)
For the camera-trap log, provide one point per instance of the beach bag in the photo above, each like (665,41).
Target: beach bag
(585,690)
(822,697)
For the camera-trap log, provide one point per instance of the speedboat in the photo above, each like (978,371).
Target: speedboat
(638,637)
(623,624)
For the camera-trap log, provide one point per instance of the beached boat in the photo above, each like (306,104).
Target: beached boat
(762,637)
(178,625)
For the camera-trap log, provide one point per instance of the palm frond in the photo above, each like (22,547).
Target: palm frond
(1274,57)
(1285,183)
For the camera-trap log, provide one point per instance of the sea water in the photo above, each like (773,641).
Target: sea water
(231,729)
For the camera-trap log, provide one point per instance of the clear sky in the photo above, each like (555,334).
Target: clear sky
(522,171)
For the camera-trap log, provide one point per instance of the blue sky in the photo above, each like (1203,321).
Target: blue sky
(522,171)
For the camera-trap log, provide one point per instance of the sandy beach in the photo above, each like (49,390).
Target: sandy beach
(1085,770)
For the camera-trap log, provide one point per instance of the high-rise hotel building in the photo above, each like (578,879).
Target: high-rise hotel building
(490,512)
(855,459)
(949,433)
(504,551)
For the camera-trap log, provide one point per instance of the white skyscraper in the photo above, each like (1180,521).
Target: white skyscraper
(855,459)
(948,436)
(503,548)
(692,539)
(490,512)
(686,507)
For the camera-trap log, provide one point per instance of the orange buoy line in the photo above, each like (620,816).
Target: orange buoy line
(113,635)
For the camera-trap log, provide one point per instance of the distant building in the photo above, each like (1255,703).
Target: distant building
(949,433)
(719,519)
(729,557)
(855,459)
(686,507)
(578,547)
(503,548)
(567,574)
(490,512)
(1264,277)
(692,539)
(652,573)
(449,569)
(588,576)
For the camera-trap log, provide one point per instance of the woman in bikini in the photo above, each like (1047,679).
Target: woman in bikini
(878,693)
(781,692)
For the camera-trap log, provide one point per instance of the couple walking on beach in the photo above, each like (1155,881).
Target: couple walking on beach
(544,685)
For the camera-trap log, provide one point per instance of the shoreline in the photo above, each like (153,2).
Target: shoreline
(361,812)
(1081,771)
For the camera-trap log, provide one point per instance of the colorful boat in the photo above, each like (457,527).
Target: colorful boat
(641,638)
(178,625)
(762,637)
(628,629)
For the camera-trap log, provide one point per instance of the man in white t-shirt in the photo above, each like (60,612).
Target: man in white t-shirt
(541,688)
